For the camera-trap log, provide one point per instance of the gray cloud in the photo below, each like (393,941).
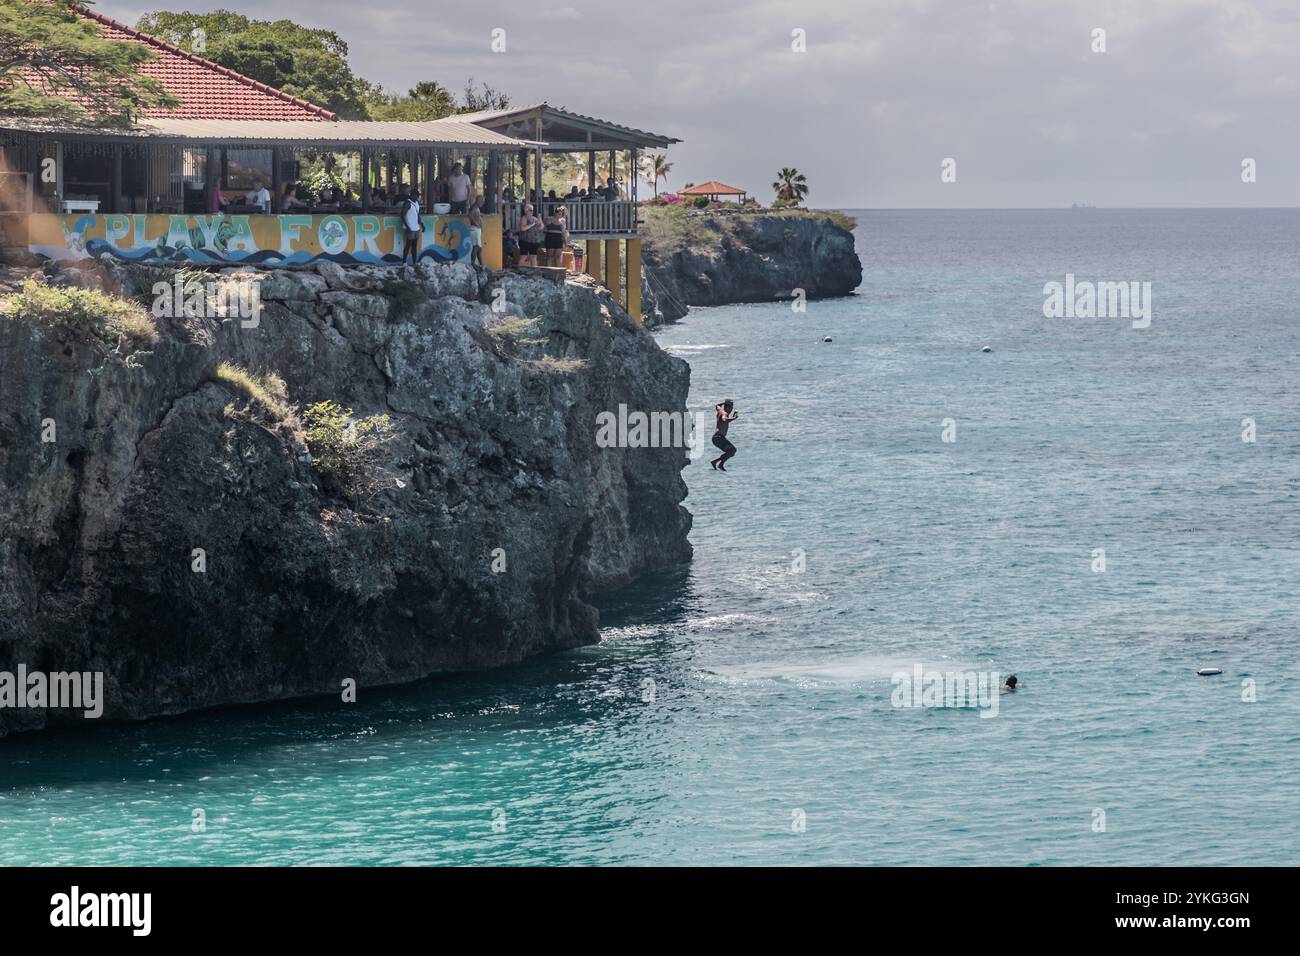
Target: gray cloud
(887,89)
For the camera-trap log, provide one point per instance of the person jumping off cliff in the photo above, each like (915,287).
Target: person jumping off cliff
(725,417)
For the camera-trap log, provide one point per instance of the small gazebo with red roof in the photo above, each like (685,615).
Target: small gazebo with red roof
(713,189)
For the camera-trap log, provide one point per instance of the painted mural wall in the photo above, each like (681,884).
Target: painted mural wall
(255,239)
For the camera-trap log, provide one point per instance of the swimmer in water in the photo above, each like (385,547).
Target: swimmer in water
(725,417)
(1010,686)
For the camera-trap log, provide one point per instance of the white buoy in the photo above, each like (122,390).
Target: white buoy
(986,349)
(1209,671)
(827,339)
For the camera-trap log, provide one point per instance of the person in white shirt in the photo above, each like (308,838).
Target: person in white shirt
(259,196)
(411,227)
(476,232)
(458,186)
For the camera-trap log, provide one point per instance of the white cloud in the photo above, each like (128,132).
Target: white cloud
(887,88)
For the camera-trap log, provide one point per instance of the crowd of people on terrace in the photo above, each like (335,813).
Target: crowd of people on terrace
(456,189)
(610,192)
(539,235)
(536,233)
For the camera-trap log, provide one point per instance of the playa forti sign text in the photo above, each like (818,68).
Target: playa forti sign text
(255,239)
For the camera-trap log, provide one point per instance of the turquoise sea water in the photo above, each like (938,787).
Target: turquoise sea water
(735,696)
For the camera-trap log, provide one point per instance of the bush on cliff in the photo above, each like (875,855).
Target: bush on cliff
(267,389)
(563,366)
(70,310)
(507,328)
(347,452)
(671,228)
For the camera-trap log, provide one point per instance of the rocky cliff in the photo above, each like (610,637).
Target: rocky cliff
(173,531)
(721,256)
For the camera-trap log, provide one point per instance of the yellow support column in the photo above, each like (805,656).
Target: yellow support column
(634,279)
(593,259)
(613,276)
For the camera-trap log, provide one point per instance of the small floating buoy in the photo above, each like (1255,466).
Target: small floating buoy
(986,349)
(1209,671)
(827,339)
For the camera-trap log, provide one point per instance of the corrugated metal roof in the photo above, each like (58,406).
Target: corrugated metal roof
(498,114)
(645,138)
(36,125)
(444,132)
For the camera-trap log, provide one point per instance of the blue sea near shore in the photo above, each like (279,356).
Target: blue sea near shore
(738,710)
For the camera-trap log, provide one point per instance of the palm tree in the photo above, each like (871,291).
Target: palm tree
(657,167)
(791,187)
(432,99)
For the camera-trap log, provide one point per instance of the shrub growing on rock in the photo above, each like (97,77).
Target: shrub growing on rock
(70,310)
(347,452)
(267,388)
(549,363)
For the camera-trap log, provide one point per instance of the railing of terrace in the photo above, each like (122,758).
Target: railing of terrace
(586,219)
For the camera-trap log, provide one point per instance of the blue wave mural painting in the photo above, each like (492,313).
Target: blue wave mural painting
(255,239)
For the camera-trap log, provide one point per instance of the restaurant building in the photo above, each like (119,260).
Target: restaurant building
(172,187)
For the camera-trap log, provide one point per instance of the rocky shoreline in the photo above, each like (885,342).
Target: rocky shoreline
(710,257)
(502,518)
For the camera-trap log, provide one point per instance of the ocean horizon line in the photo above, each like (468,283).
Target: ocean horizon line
(832,208)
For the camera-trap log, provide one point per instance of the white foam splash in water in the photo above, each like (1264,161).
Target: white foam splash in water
(842,671)
(678,349)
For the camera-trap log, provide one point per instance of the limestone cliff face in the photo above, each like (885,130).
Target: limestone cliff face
(725,256)
(496,449)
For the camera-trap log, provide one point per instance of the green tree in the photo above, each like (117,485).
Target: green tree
(482,97)
(55,63)
(791,187)
(424,101)
(307,63)
(655,168)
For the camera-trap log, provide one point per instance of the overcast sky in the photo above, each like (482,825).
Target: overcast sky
(886,90)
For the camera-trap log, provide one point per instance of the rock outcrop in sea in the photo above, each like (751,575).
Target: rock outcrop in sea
(497,520)
(724,256)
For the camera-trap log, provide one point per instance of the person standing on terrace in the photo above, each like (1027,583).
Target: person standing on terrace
(460,187)
(476,232)
(556,236)
(530,236)
(411,227)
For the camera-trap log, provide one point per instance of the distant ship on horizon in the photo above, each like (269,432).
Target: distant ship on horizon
(1083,205)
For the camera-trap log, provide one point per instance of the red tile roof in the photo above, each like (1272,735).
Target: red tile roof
(205,89)
(712,188)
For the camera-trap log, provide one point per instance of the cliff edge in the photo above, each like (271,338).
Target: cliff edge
(169,528)
(721,256)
